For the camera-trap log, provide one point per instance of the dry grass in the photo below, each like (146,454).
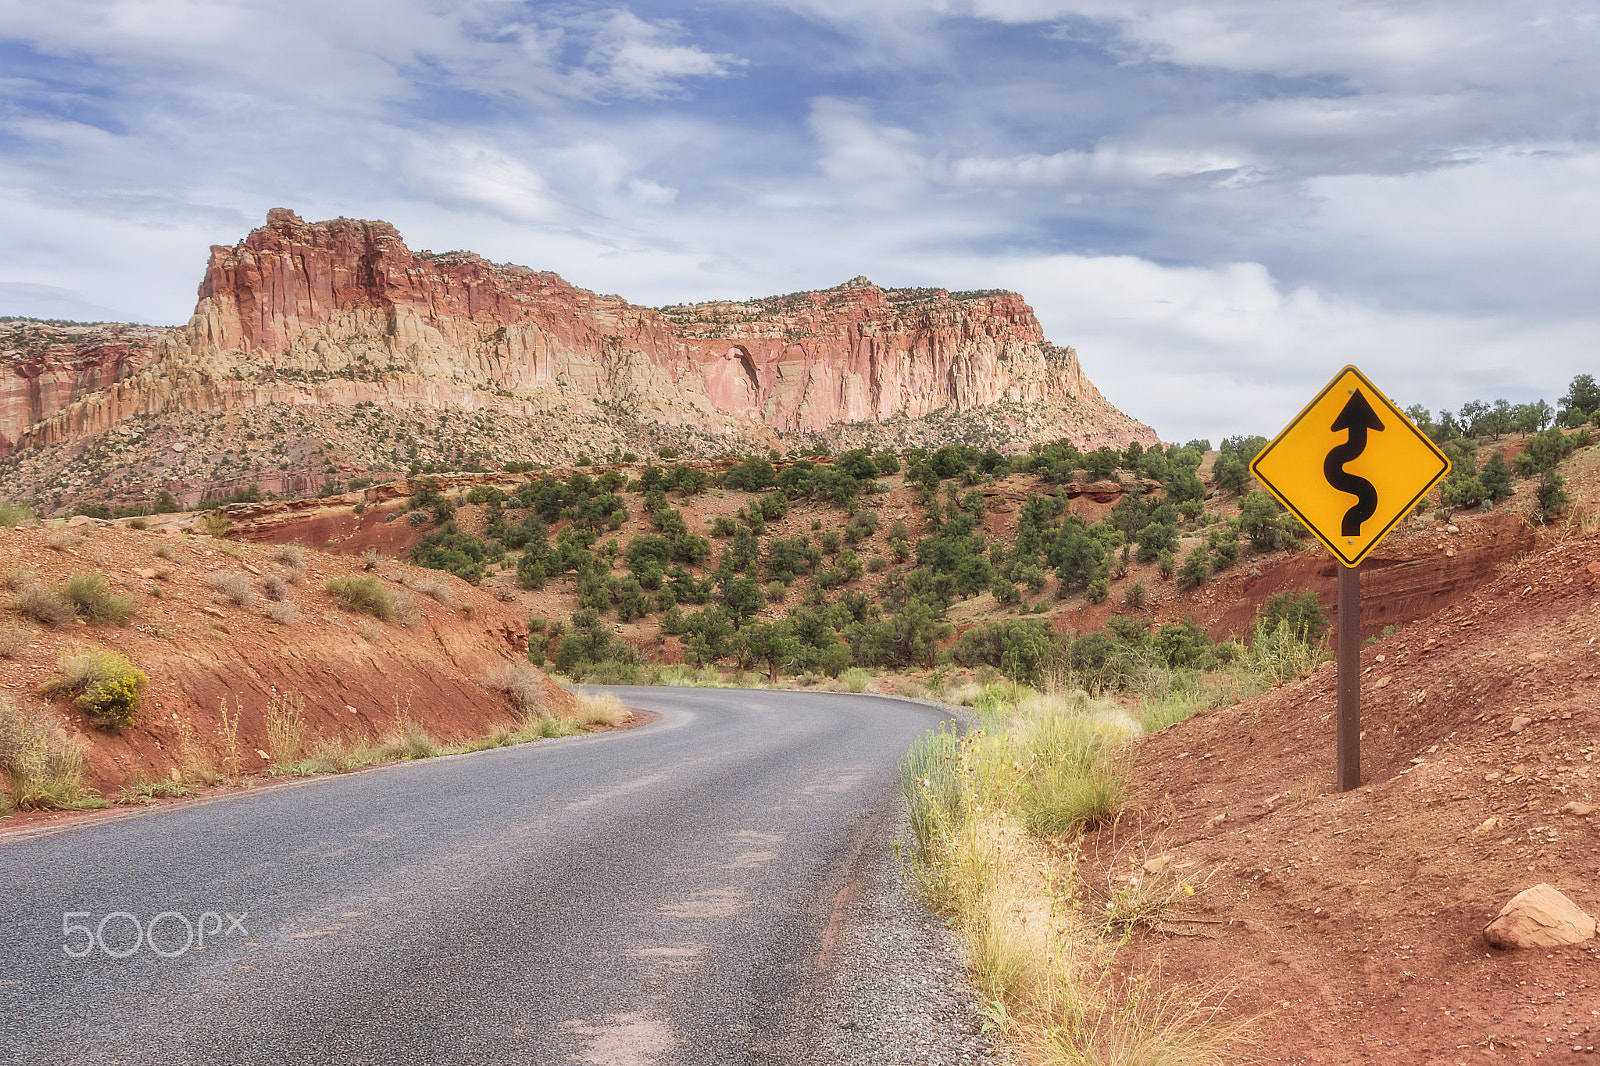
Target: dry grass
(522,686)
(64,541)
(276,588)
(285,716)
(603,709)
(43,765)
(1041,942)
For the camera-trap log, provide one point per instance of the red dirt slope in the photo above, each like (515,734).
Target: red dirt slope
(355,674)
(1355,920)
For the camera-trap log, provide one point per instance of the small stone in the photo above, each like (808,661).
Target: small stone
(1578,809)
(1520,722)
(1157,864)
(1539,917)
(1452,529)
(144,572)
(1382,682)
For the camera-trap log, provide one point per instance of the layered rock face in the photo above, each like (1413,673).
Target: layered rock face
(343,312)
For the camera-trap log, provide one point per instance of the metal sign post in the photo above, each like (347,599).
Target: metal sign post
(1350,466)
(1349,653)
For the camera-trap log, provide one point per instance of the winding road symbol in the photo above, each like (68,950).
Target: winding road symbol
(1350,466)
(1357,417)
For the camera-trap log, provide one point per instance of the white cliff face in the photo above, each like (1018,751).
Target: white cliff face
(342,311)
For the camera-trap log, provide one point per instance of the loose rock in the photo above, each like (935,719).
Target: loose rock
(1539,917)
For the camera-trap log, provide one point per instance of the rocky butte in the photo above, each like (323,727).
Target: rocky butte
(342,312)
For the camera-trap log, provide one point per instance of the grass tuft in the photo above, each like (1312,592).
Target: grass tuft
(601,709)
(15,514)
(93,601)
(362,594)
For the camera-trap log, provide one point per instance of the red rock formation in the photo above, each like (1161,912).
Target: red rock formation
(47,368)
(342,311)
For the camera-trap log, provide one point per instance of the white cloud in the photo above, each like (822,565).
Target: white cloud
(478,177)
(650,192)
(1108,165)
(870,162)
(1214,352)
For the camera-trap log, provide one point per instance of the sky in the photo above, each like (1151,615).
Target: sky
(1217,204)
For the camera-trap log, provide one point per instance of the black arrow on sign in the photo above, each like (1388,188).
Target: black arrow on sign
(1358,417)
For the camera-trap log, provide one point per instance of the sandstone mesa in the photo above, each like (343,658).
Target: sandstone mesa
(342,312)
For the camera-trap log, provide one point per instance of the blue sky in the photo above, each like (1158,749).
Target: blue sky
(1218,204)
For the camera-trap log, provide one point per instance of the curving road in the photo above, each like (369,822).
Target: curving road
(664,896)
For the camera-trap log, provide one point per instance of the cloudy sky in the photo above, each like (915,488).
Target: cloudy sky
(1218,204)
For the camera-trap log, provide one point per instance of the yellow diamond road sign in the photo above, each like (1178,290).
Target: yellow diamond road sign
(1350,466)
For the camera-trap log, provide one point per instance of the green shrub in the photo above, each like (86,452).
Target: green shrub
(1306,618)
(93,601)
(363,594)
(103,684)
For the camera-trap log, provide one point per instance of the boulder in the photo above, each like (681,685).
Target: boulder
(1539,917)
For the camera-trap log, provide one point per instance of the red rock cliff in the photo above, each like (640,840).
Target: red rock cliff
(343,308)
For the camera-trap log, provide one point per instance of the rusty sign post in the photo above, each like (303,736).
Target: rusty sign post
(1350,441)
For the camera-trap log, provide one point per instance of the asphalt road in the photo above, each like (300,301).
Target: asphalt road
(658,896)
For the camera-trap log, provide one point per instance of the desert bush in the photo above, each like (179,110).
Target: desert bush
(213,524)
(231,587)
(62,541)
(103,684)
(42,763)
(93,601)
(521,685)
(290,555)
(276,588)
(15,514)
(434,588)
(13,638)
(45,606)
(283,612)
(364,595)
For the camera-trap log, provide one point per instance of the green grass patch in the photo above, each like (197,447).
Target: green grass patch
(363,594)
